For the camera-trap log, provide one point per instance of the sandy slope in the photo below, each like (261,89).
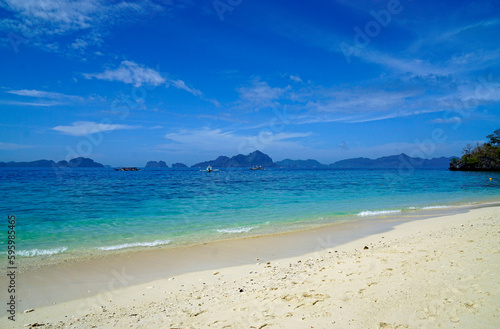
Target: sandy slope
(434,273)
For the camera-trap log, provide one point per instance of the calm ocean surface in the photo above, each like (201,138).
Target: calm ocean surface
(81,211)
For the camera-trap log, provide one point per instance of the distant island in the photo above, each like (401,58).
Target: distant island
(392,161)
(256,158)
(163,164)
(484,157)
(73,163)
(309,163)
(156,164)
(179,165)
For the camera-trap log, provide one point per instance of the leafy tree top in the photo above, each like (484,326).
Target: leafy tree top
(495,137)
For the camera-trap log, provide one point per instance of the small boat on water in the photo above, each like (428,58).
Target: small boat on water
(209,169)
(127,169)
(257,168)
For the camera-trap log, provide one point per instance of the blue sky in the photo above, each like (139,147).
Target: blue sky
(125,82)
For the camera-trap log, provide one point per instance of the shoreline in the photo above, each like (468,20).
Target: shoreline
(458,249)
(403,214)
(77,278)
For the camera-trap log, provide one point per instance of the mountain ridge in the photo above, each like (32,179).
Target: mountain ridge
(309,163)
(156,164)
(79,162)
(256,158)
(392,161)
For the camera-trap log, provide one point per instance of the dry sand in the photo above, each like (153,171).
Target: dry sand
(434,273)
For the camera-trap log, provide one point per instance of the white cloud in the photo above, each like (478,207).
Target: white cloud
(43,94)
(470,95)
(295,78)
(260,95)
(42,20)
(260,92)
(79,44)
(179,84)
(384,98)
(360,100)
(82,128)
(132,73)
(62,15)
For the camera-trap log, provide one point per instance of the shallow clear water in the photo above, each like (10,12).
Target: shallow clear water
(81,210)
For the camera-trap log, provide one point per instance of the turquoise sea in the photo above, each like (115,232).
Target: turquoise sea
(77,212)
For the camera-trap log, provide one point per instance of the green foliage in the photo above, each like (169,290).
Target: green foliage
(495,137)
(481,157)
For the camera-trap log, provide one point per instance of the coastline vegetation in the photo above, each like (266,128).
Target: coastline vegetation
(482,157)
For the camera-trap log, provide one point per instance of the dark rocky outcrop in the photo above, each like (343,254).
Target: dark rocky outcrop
(483,163)
(156,164)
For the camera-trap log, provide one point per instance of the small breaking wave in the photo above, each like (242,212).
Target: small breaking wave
(41,252)
(235,230)
(435,207)
(137,244)
(378,212)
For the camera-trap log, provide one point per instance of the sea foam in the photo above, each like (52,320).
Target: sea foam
(235,230)
(41,252)
(378,212)
(136,244)
(436,207)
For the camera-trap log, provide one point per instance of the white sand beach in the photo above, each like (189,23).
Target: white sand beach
(438,272)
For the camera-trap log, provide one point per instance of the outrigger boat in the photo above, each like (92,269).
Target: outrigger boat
(127,169)
(257,168)
(209,169)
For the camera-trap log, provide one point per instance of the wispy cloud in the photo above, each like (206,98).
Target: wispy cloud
(138,75)
(11,146)
(207,139)
(130,73)
(43,98)
(260,95)
(424,49)
(382,98)
(447,120)
(179,84)
(35,104)
(43,94)
(295,78)
(62,15)
(360,100)
(83,128)
(42,20)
